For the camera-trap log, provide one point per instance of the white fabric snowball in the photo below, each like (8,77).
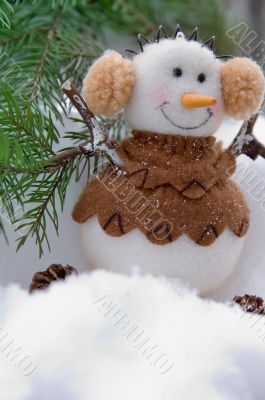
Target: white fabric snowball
(77,333)
(248,277)
(204,268)
(156,101)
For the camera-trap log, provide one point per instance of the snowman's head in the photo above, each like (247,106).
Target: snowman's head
(174,86)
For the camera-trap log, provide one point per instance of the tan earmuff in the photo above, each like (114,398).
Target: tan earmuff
(243,87)
(109,83)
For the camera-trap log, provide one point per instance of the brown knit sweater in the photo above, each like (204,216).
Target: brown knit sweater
(169,186)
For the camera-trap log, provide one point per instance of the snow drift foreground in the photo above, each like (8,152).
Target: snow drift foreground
(105,336)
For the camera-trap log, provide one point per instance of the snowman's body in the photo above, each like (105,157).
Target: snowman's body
(205,269)
(163,217)
(175,94)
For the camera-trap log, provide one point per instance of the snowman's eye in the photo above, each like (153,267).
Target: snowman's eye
(201,78)
(177,72)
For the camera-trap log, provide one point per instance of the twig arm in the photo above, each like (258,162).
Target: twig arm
(75,97)
(99,144)
(245,141)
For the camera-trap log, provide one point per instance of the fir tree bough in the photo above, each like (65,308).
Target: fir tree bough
(42,44)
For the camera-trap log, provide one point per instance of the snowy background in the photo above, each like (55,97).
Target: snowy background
(73,341)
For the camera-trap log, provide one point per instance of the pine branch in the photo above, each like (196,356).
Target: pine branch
(24,35)
(55,175)
(5,13)
(52,46)
(50,36)
(142,18)
(2,230)
(29,171)
(16,127)
(34,220)
(21,127)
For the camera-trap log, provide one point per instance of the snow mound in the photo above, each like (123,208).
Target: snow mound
(105,336)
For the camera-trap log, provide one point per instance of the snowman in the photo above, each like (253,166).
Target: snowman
(172,208)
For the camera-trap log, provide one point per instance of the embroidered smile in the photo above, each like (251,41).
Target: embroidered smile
(162,109)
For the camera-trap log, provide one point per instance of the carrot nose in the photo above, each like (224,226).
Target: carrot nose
(194,100)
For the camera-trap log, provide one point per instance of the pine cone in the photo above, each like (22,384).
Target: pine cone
(251,304)
(54,272)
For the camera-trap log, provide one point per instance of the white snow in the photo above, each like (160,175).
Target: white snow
(67,85)
(82,335)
